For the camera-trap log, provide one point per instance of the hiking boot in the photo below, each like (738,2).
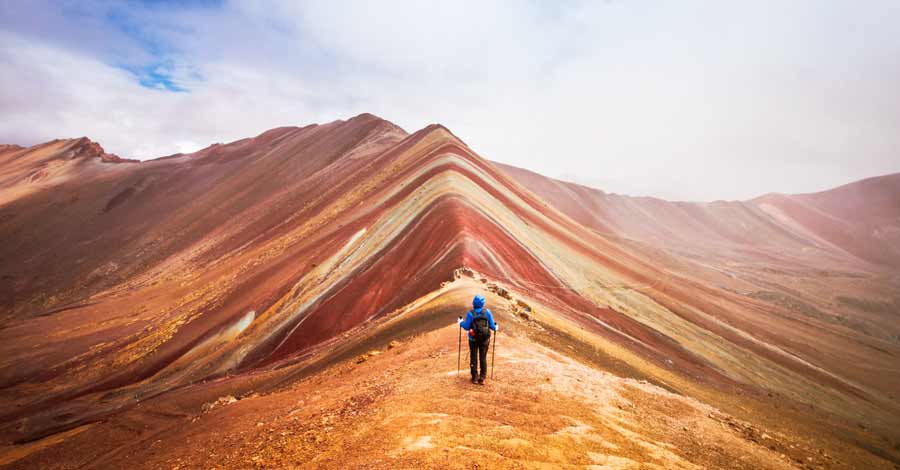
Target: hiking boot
(480,380)
(473,380)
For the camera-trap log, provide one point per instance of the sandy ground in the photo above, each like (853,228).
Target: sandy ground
(406,407)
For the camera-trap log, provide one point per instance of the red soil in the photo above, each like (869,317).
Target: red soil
(265,259)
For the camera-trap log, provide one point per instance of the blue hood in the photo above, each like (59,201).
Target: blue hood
(478,302)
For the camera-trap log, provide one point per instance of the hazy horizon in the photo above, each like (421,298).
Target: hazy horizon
(690,101)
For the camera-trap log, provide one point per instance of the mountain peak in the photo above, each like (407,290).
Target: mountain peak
(84,147)
(366,116)
(442,131)
(147,293)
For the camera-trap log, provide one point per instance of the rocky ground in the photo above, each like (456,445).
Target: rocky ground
(404,406)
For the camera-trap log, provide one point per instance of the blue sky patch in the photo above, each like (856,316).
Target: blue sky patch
(154,76)
(157,72)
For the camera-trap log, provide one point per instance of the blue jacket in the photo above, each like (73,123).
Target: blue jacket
(467,323)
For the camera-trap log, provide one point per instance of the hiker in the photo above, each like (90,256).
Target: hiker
(479,322)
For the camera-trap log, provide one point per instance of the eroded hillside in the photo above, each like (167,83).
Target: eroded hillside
(138,296)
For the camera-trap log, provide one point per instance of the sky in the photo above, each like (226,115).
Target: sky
(684,100)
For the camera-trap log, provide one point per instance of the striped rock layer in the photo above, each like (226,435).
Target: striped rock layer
(273,256)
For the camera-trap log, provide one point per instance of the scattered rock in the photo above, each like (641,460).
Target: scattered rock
(365,357)
(221,401)
(393,344)
(500,291)
(464,272)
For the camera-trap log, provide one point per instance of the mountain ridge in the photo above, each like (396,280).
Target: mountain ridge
(259,262)
(712,222)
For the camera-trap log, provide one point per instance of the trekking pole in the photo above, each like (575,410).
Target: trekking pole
(494,352)
(458,345)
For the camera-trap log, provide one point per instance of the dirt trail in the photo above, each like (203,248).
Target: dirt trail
(406,407)
(403,405)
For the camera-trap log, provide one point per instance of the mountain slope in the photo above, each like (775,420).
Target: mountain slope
(403,405)
(253,264)
(859,218)
(853,225)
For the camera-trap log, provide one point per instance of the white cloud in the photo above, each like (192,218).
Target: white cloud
(57,94)
(686,100)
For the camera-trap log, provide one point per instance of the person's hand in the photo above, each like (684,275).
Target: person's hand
(459,320)
(496,327)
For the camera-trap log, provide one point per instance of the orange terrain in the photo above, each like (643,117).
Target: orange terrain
(289,301)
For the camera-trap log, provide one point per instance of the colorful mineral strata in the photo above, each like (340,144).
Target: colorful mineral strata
(289,301)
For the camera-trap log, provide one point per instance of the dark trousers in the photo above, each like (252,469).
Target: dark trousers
(478,353)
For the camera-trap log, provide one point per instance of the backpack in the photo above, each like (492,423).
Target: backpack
(481,326)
